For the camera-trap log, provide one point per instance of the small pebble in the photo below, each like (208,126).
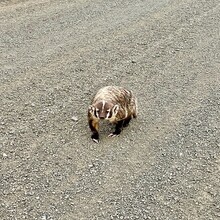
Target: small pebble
(74,118)
(4,155)
(44,217)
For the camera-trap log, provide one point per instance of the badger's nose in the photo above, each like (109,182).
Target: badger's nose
(102,117)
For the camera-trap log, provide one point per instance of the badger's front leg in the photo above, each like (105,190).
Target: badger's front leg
(94,126)
(118,129)
(126,121)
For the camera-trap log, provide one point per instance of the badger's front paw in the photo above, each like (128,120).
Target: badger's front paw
(95,137)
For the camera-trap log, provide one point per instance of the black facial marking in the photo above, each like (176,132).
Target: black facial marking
(96,113)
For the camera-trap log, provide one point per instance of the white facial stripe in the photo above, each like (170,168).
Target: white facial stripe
(103,105)
(108,113)
(97,113)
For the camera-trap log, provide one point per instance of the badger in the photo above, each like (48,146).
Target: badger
(114,104)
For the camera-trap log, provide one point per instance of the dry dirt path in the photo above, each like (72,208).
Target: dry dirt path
(55,54)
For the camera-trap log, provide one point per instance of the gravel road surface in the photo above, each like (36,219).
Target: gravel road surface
(55,54)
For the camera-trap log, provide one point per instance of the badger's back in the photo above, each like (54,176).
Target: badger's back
(115,94)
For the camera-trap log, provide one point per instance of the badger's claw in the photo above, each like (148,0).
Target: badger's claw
(112,135)
(95,140)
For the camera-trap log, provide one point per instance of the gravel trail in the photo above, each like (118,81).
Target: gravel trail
(54,55)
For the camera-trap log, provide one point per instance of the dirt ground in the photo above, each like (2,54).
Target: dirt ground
(55,54)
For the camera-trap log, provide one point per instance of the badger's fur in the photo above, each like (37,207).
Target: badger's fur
(112,103)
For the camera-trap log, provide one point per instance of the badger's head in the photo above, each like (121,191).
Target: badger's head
(103,110)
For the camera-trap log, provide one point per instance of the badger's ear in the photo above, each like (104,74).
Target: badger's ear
(91,109)
(115,109)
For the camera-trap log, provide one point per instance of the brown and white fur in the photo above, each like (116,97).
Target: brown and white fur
(112,103)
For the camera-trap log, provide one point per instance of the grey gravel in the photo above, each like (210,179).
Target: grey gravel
(54,55)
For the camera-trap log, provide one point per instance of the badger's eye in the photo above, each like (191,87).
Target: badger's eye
(97,110)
